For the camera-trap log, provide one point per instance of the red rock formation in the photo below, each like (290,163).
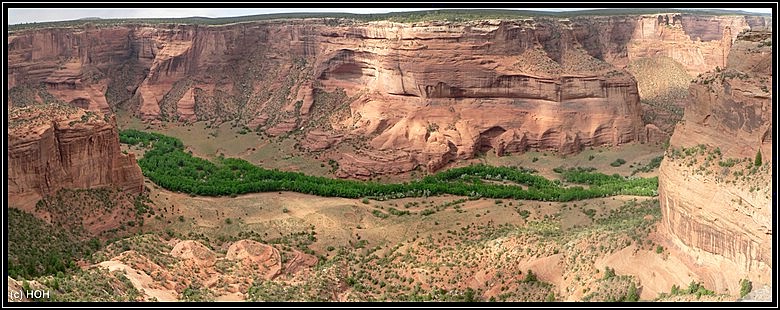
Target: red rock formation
(318,140)
(508,86)
(367,164)
(262,258)
(53,147)
(265,261)
(194,254)
(71,62)
(700,43)
(714,215)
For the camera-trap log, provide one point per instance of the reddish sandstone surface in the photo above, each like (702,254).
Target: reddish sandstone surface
(422,94)
(194,264)
(254,255)
(51,147)
(720,216)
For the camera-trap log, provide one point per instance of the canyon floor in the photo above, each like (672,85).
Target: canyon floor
(284,246)
(207,141)
(295,247)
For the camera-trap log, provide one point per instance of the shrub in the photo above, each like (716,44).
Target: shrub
(380,214)
(529,277)
(469,295)
(653,164)
(633,295)
(397,212)
(609,273)
(728,162)
(659,249)
(591,213)
(745,287)
(618,162)
(524,214)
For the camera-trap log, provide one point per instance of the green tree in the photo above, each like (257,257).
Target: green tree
(608,273)
(530,277)
(168,165)
(469,295)
(633,295)
(758,159)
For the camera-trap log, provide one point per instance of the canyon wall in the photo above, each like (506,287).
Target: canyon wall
(700,43)
(716,201)
(52,147)
(418,94)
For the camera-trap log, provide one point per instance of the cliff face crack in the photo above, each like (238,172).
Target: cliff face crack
(60,154)
(766,138)
(401,74)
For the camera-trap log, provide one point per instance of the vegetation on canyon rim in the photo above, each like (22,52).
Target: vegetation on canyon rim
(53,246)
(404,17)
(168,165)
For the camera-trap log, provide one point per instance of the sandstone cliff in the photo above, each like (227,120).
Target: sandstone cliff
(717,204)
(52,147)
(419,93)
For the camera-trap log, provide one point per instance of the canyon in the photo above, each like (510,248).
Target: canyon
(385,98)
(720,213)
(415,94)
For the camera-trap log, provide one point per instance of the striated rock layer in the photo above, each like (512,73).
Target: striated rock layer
(721,216)
(52,147)
(423,93)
